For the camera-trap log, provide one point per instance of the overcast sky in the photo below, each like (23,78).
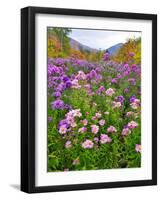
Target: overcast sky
(101,39)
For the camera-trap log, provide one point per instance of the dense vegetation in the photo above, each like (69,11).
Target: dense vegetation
(94,106)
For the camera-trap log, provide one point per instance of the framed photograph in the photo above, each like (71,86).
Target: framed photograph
(88,99)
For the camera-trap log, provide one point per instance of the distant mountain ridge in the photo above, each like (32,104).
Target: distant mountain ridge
(79,46)
(113,49)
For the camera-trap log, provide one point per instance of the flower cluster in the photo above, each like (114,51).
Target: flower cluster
(69,121)
(106,56)
(94,113)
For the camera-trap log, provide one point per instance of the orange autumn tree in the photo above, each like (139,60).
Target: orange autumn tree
(77,54)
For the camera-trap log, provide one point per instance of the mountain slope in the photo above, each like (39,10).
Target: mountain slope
(113,49)
(79,46)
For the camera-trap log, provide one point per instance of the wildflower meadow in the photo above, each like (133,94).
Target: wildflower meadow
(94,105)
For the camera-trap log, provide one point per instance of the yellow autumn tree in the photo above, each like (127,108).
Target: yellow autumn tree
(132,46)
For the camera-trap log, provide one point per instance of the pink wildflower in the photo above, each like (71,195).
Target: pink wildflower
(101,122)
(73,124)
(95,129)
(82,130)
(132,125)
(94,118)
(111,129)
(74,113)
(130,113)
(116,104)
(110,92)
(138,148)
(105,139)
(96,139)
(135,104)
(75,84)
(81,75)
(70,119)
(84,122)
(87,144)
(77,113)
(62,129)
(68,144)
(98,115)
(125,131)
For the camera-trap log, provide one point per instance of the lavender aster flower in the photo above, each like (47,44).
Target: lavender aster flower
(134,67)
(101,89)
(63,123)
(114,80)
(65,78)
(120,99)
(57,104)
(132,98)
(106,56)
(93,74)
(68,84)
(57,94)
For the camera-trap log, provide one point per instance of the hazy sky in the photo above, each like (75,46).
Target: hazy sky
(101,39)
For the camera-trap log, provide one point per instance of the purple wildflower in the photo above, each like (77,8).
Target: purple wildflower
(134,67)
(57,94)
(57,104)
(132,98)
(114,80)
(65,78)
(126,90)
(63,122)
(106,56)
(120,99)
(68,84)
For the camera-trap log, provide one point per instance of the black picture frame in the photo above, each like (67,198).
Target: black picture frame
(28,98)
